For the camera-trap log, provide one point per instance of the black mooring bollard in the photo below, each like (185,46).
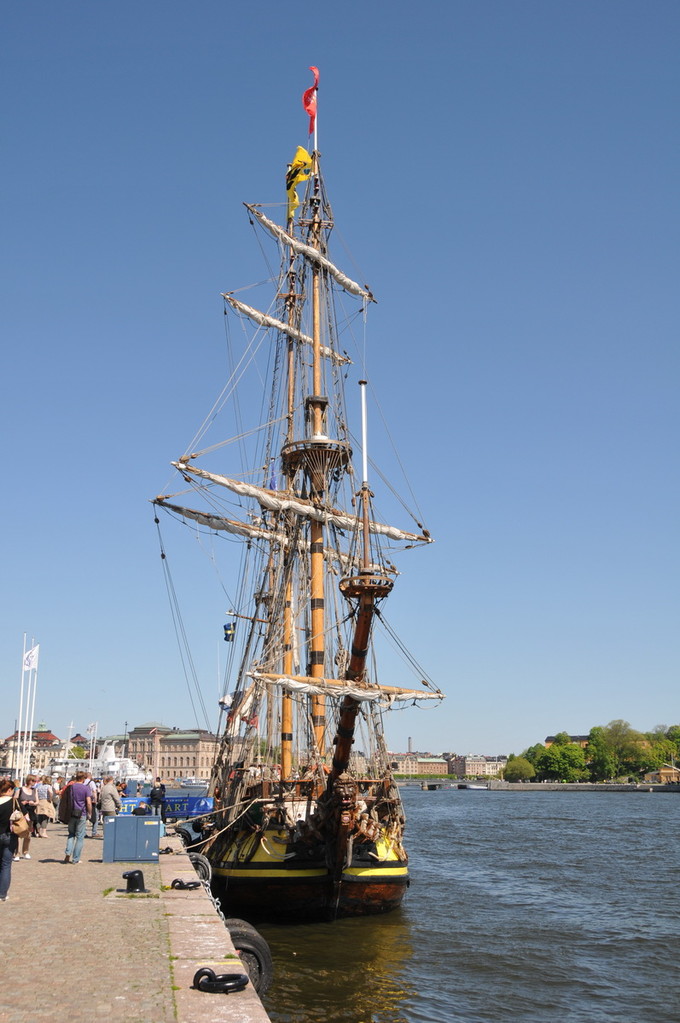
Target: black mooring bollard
(135,881)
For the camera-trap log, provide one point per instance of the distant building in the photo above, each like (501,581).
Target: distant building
(477,766)
(186,754)
(156,748)
(144,745)
(580,740)
(432,765)
(417,763)
(44,745)
(668,774)
(404,763)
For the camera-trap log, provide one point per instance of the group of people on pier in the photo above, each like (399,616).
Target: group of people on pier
(26,810)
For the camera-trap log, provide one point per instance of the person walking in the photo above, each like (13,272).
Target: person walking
(28,802)
(94,796)
(8,840)
(45,806)
(111,802)
(79,809)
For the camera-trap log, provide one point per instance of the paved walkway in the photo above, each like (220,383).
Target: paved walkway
(78,948)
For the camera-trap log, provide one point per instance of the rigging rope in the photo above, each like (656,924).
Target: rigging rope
(180,634)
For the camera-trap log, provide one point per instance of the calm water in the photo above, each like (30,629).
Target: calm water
(522,907)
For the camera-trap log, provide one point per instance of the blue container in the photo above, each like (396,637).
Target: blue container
(131,839)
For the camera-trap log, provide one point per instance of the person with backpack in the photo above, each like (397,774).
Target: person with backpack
(157,798)
(75,807)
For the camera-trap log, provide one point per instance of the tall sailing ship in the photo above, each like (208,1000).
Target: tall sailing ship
(308,820)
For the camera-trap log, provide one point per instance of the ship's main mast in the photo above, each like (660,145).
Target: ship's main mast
(316,457)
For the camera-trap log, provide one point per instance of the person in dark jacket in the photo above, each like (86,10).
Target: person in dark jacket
(157,798)
(8,841)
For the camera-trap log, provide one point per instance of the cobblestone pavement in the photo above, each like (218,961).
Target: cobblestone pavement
(78,948)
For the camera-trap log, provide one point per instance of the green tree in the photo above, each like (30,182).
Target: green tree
(533,753)
(673,735)
(562,762)
(518,769)
(78,753)
(666,740)
(626,746)
(602,762)
(660,751)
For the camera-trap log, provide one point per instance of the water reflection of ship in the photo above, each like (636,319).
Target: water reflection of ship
(370,985)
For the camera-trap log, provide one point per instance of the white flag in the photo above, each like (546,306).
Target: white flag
(31,658)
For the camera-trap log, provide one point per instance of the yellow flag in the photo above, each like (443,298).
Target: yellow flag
(302,162)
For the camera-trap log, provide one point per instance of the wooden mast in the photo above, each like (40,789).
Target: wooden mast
(318,483)
(287,660)
(368,586)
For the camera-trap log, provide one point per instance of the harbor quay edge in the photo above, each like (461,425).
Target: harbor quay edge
(579,786)
(79,947)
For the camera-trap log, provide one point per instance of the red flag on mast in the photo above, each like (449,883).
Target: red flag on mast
(309,99)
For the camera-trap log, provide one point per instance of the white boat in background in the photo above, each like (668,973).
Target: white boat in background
(107,763)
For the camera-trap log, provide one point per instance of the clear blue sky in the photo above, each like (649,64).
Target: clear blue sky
(505,174)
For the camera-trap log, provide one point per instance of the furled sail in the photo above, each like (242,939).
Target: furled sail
(386,695)
(265,320)
(282,501)
(312,254)
(218,522)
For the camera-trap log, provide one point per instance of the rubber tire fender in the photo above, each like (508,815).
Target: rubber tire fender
(201,865)
(253,952)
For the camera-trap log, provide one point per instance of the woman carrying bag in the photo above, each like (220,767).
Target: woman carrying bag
(8,840)
(28,802)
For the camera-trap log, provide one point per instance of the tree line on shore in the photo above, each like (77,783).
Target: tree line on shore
(613,752)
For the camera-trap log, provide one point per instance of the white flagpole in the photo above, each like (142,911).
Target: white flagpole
(92,732)
(19,745)
(34,672)
(68,746)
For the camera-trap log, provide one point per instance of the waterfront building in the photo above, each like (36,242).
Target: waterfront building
(432,765)
(172,753)
(144,746)
(43,746)
(667,774)
(418,763)
(404,763)
(188,754)
(477,766)
(153,749)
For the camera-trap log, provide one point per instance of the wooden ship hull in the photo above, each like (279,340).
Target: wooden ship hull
(267,888)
